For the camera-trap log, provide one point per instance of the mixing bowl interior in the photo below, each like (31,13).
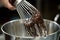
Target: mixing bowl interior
(16,27)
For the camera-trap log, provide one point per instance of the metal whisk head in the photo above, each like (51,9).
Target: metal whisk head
(25,9)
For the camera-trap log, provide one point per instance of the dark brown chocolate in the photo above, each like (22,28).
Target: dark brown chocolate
(30,24)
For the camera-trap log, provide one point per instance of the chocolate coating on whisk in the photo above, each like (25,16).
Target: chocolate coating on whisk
(37,19)
(30,24)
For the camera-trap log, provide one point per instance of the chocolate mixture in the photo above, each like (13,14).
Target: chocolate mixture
(30,24)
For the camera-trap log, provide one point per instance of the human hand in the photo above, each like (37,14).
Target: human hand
(7,4)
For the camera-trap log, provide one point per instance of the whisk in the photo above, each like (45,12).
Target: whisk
(27,10)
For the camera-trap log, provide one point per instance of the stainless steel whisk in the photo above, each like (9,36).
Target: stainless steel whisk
(27,10)
(24,8)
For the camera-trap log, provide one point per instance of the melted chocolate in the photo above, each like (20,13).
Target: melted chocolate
(36,19)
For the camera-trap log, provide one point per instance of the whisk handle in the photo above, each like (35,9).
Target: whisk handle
(15,2)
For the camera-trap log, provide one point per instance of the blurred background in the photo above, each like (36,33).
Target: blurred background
(48,8)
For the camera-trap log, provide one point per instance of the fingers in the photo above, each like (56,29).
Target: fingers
(7,4)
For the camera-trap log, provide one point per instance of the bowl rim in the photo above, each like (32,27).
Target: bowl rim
(27,36)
